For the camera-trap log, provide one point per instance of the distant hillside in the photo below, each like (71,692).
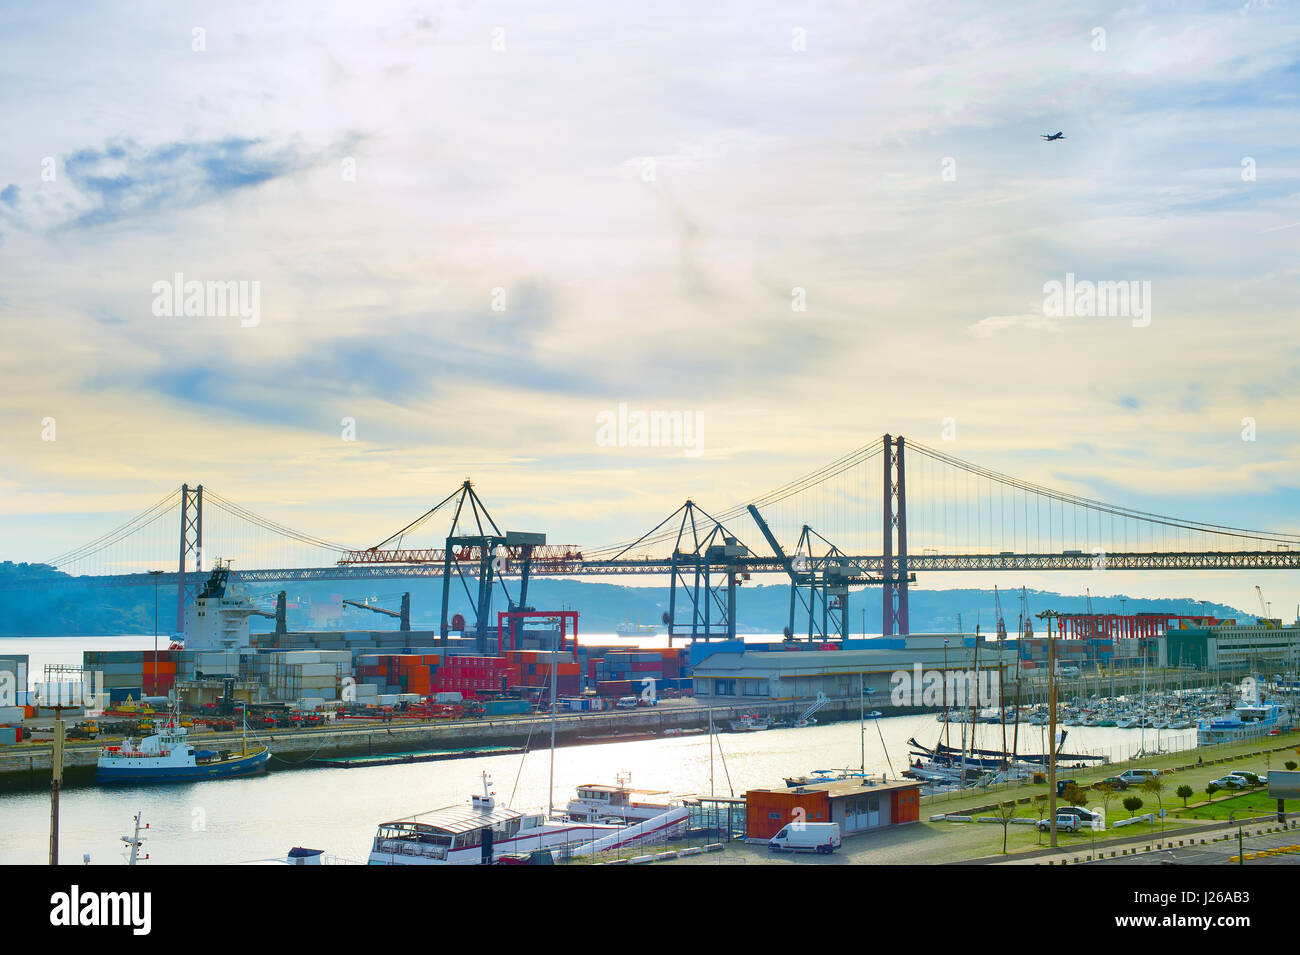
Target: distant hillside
(73,610)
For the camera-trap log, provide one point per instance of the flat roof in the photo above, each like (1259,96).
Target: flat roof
(826,662)
(457,819)
(841,788)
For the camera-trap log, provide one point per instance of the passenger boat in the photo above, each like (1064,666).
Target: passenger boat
(169,756)
(479,833)
(617,804)
(1246,720)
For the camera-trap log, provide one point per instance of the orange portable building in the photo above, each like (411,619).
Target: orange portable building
(858,805)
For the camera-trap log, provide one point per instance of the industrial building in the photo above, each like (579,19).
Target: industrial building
(1248,647)
(879,668)
(858,805)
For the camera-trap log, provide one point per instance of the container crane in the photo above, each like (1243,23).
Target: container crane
(278,616)
(403,615)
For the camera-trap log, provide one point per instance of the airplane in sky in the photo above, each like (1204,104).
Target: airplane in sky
(1057,135)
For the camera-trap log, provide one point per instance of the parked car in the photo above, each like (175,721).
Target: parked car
(1136,777)
(820,837)
(1113,781)
(1251,779)
(1230,782)
(1065,822)
(1085,816)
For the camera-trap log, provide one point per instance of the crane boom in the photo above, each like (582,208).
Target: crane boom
(403,615)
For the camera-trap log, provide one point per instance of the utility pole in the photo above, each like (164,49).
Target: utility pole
(56,777)
(1050,616)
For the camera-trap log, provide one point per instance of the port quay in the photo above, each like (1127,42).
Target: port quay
(579,435)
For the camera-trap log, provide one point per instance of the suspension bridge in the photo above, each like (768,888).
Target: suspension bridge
(875,517)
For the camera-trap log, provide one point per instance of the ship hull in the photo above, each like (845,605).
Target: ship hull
(223,769)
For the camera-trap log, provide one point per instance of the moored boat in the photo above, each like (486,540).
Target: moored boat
(169,756)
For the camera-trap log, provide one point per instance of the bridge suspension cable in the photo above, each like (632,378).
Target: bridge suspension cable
(1018,517)
(120,533)
(779,495)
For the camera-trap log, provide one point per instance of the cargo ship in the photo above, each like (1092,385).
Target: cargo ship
(169,756)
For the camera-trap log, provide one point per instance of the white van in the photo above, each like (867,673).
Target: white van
(823,837)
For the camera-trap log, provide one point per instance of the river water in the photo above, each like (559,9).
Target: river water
(241,820)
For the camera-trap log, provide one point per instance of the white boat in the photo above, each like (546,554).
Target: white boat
(1245,721)
(748,724)
(460,835)
(619,804)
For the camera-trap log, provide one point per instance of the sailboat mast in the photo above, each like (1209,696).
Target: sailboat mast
(550,789)
(862,734)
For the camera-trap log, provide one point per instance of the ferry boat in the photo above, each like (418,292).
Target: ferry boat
(617,804)
(629,629)
(473,834)
(1246,720)
(169,756)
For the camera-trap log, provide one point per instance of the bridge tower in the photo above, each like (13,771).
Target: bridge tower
(894,569)
(191,543)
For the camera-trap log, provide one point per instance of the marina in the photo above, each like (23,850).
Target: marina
(587,435)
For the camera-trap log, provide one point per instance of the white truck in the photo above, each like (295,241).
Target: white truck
(821,837)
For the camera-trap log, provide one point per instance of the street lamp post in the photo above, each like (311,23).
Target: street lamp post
(1049,616)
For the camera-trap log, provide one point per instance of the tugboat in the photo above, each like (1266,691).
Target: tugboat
(168,756)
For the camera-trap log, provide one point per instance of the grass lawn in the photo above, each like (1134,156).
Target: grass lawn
(1253,803)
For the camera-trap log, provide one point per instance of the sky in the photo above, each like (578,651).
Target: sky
(474,229)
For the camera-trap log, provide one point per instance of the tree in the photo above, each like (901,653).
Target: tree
(1185,792)
(1040,807)
(1211,789)
(1108,792)
(1291,764)
(1132,804)
(1156,786)
(1074,795)
(1006,812)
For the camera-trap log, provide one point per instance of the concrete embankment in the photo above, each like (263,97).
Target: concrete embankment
(28,766)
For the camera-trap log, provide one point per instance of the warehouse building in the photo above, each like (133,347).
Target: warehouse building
(909,674)
(1233,647)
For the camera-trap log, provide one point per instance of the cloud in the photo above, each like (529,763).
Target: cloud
(993,324)
(124,181)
